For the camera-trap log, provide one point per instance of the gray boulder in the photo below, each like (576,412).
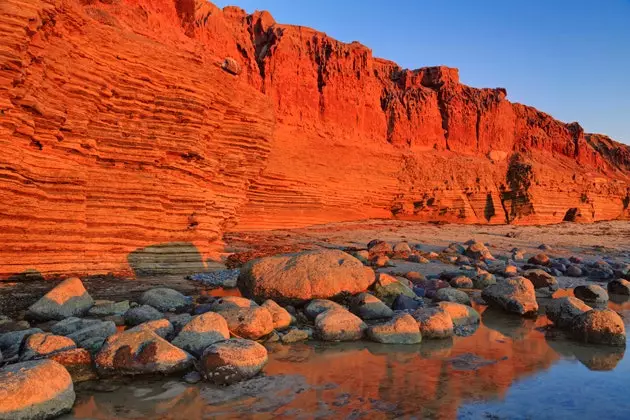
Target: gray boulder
(40,345)
(367,306)
(166,300)
(317,306)
(514,294)
(339,325)
(562,311)
(11,342)
(591,293)
(68,298)
(140,314)
(619,287)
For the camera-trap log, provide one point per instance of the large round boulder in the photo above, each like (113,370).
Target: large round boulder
(304,276)
(562,311)
(600,326)
(68,298)
(202,331)
(233,360)
(339,325)
(514,294)
(140,352)
(450,294)
(543,282)
(41,389)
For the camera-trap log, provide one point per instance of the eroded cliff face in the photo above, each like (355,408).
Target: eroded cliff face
(126,146)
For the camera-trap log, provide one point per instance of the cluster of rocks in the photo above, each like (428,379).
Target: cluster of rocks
(327,295)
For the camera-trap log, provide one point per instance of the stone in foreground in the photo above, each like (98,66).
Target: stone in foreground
(600,326)
(202,331)
(161,327)
(303,276)
(514,294)
(233,360)
(41,389)
(68,298)
(434,322)
(562,311)
(339,325)
(166,300)
(402,329)
(140,352)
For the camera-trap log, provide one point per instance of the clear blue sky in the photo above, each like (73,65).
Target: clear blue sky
(570,59)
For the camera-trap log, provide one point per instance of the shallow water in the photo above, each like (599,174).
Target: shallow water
(509,368)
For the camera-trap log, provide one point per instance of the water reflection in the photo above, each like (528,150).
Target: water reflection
(442,379)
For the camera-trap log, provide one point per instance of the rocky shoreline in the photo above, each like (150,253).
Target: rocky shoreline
(67,337)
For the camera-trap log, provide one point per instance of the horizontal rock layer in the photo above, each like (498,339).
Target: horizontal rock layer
(127,148)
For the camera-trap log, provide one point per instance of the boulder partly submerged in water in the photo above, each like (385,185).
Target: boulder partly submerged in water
(140,352)
(233,360)
(515,294)
(41,389)
(599,326)
(304,276)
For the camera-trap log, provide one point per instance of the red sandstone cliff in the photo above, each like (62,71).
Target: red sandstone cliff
(125,145)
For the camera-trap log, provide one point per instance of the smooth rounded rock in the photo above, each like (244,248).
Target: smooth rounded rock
(233,360)
(140,352)
(401,329)
(339,325)
(202,331)
(41,389)
(562,311)
(450,294)
(515,294)
(68,298)
(461,282)
(460,314)
(379,247)
(108,308)
(367,306)
(317,306)
(251,323)
(434,322)
(140,314)
(281,318)
(166,300)
(540,259)
(478,251)
(483,280)
(296,278)
(11,342)
(600,326)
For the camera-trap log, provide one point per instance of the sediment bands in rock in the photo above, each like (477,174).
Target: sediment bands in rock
(126,146)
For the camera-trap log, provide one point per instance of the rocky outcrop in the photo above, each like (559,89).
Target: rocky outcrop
(134,133)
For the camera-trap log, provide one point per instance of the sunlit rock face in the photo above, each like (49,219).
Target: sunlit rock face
(129,145)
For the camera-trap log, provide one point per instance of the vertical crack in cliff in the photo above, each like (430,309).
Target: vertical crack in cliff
(477,126)
(444,114)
